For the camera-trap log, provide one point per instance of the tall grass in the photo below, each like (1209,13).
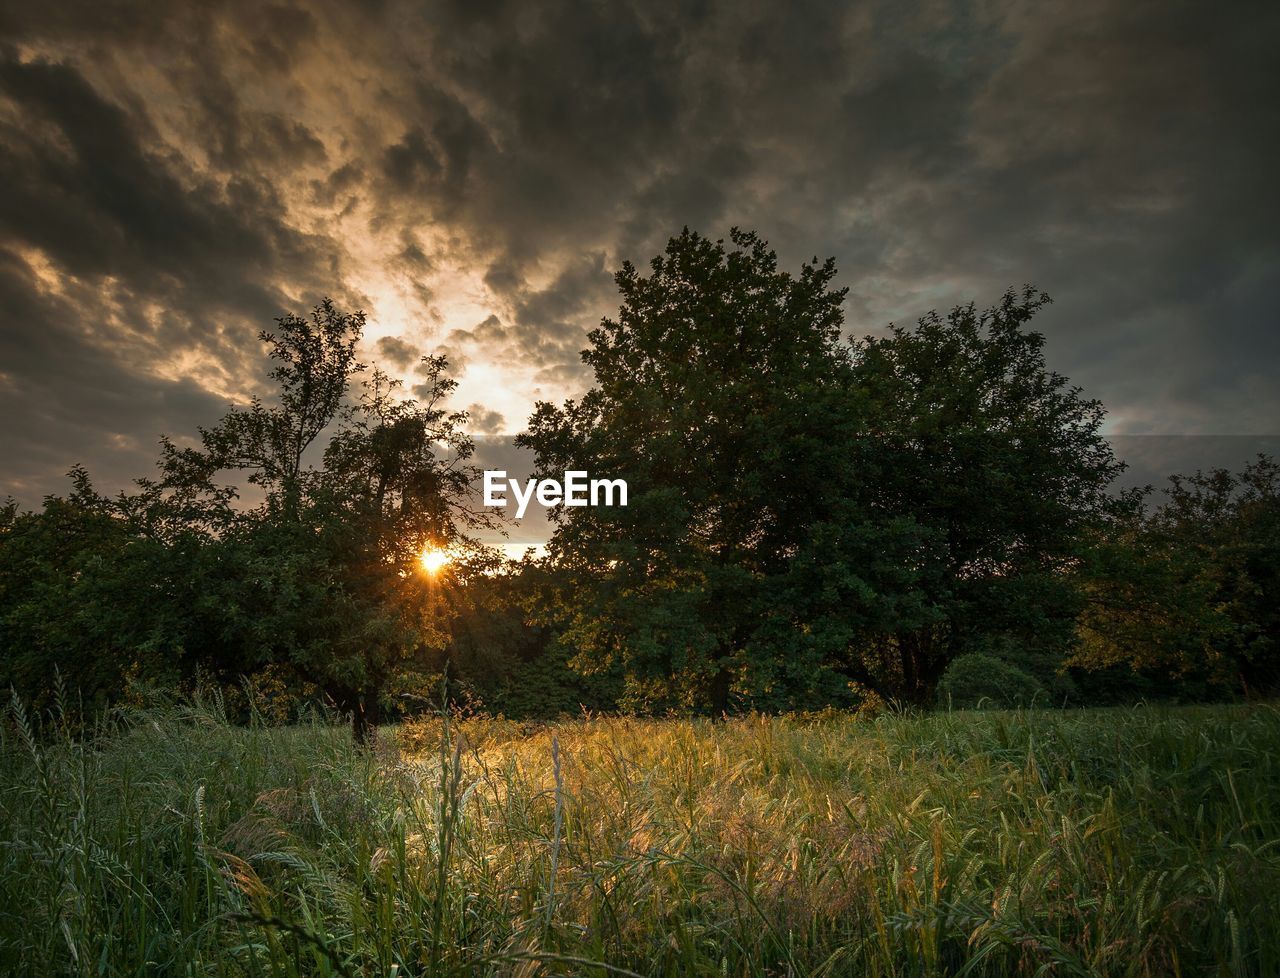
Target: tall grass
(1119,842)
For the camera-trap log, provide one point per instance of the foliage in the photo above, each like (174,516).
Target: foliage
(721,396)
(273,695)
(811,517)
(1191,589)
(547,686)
(1001,465)
(319,579)
(975,680)
(83,596)
(338,590)
(502,660)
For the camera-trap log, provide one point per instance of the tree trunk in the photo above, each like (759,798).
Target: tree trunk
(720,685)
(922,666)
(366,713)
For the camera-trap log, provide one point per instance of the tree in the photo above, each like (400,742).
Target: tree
(88,593)
(808,514)
(978,481)
(319,574)
(1192,588)
(324,573)
(1001,466)
(57,566)
(723,396)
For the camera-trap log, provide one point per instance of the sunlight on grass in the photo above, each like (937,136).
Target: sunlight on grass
(1125,842)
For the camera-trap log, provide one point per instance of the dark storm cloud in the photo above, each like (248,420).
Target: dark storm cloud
(1112,153)
(121,259)
(179,173)
(79,186)
(482,421)
(92,407)
(397,352)
(81,189)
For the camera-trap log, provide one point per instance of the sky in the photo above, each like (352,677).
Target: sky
(174,175)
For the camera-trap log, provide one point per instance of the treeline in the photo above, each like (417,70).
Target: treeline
(925,517)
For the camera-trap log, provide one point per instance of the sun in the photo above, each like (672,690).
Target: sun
(433,559)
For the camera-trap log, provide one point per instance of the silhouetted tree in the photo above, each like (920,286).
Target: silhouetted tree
(807,514)
(327,566)
(1001,466)
(724,397)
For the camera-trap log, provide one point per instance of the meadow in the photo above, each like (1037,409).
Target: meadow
(1139,841)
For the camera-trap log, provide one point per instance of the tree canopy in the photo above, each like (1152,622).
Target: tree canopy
(811,513)
(813,519)
(320,576)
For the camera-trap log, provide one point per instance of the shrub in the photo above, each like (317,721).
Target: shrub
(974,678)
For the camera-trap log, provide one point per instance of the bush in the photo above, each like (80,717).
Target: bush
(972,679)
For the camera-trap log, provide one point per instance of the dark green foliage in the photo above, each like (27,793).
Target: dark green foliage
(502,659)
(332,585)
(812,518)
(1000,465)
(320,579)
(722,397)
(547,686)
(63,571)
(976,680)
(1193,589)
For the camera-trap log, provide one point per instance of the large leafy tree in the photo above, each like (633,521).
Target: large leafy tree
(808,514)
(325,568)
(289,535)
(90,591)
(1000,464)
(59,567)
(724,396)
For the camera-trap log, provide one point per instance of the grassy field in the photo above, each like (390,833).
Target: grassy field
(1126,842)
